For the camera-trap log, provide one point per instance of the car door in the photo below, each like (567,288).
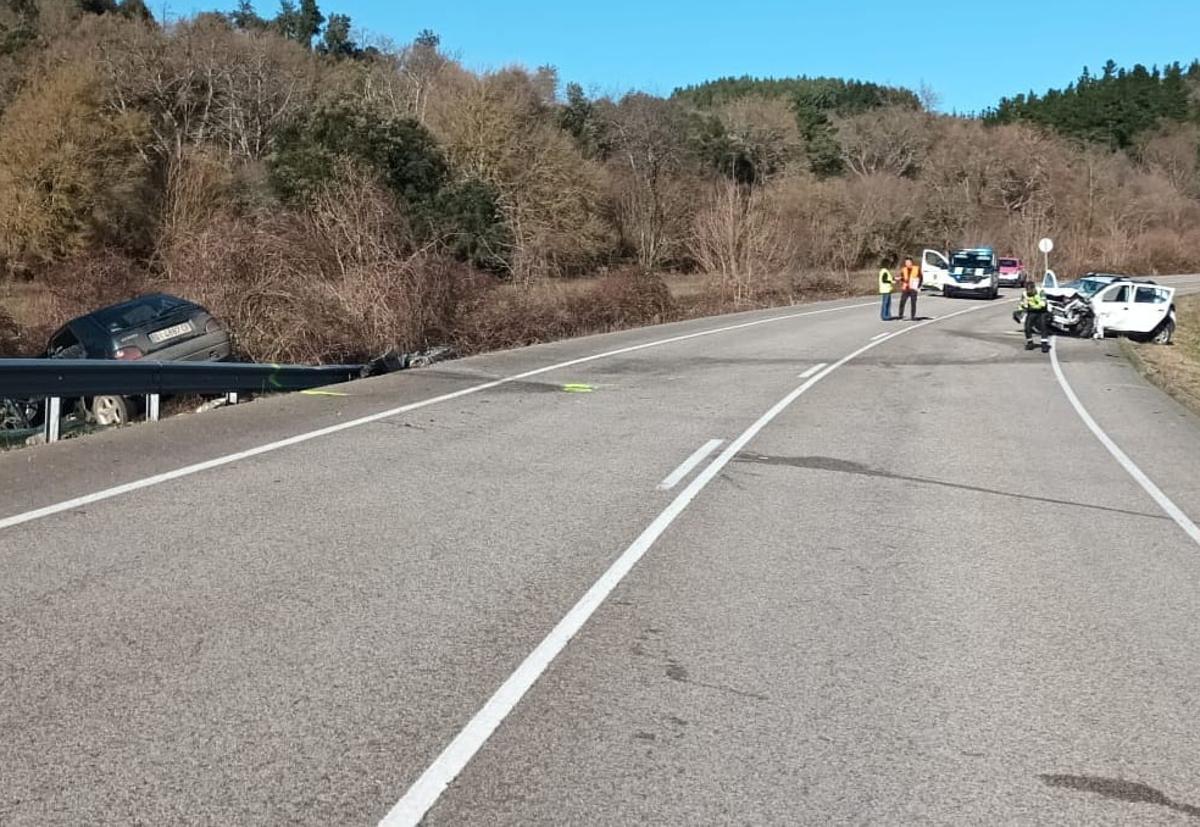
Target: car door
(934,268)
(1149,308)
(1113,306)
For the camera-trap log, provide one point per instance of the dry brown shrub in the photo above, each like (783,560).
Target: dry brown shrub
(10,335)
(1166,251)
(197,190)
(85,283)
(516,315)
(339,281)
(496,128)
(70,174)
(1175,153)
(627,298)
(740,241)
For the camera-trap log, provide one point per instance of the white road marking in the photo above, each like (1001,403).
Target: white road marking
(688,464)
(881,335)
(812,370)
(424,793)
(1156,493)
(217,462)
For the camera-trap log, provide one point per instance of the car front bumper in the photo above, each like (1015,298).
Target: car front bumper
(967,288)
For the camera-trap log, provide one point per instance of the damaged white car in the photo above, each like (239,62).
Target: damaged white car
(1101,304)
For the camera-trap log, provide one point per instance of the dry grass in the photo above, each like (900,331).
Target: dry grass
(19,299)
(25,308)
(1176,369)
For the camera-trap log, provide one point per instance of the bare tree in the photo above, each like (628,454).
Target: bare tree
(648,152)
(765,135)
(202,83)
(740,241)
(495,128)
(893,141)
(1175,153)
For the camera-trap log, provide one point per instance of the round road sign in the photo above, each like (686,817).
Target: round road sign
(1046,245)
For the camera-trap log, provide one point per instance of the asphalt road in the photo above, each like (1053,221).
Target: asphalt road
(922,590)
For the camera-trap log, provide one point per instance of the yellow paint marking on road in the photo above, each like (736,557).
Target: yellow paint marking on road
(314,392)
(577,388)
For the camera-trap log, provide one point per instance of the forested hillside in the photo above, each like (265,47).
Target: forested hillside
(1114,108)
(330,197)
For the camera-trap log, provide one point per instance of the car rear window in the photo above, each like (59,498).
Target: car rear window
(136,313)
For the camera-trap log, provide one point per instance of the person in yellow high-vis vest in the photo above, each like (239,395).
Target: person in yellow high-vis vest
(1037,313)
(886,285)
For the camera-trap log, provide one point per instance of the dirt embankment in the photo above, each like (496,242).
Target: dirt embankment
(1176,369)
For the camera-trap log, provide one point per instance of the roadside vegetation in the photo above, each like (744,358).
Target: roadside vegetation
(332,196)
(1175,369)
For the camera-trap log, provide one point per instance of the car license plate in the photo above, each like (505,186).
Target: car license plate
(172,332)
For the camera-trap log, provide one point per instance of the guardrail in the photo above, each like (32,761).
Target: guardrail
(57,379)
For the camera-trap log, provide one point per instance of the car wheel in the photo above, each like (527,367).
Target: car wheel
(1086,328)
(1163,335)
(110,410)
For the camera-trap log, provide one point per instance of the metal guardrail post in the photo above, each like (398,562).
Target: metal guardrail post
(232,397)
(53,426)
(152,407)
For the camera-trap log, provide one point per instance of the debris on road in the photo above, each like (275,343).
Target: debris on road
(393,360)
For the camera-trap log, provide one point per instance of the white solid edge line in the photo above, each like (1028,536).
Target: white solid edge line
(881,335)
(812,370)
(688,464)
(1147,484)
(216,462)
(425,791)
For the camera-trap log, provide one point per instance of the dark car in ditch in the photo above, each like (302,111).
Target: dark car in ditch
(156,326)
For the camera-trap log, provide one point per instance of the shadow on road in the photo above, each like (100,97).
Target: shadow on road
(848,467)
(1118,790)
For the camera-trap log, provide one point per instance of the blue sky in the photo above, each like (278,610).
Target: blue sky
(970,53)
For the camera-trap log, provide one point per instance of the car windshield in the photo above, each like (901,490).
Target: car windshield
(1009,262)
(1088,287)
(138,312)
(970,261)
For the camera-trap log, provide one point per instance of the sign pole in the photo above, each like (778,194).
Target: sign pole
(1045,245)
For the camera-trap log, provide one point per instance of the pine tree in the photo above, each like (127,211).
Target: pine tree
(308,22)
(244,17)
(336,40)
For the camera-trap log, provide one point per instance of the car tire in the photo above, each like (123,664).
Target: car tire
(1086,328)
(109,410)
(1164,333)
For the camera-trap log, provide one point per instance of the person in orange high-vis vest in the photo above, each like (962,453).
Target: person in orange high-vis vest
(910,283)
